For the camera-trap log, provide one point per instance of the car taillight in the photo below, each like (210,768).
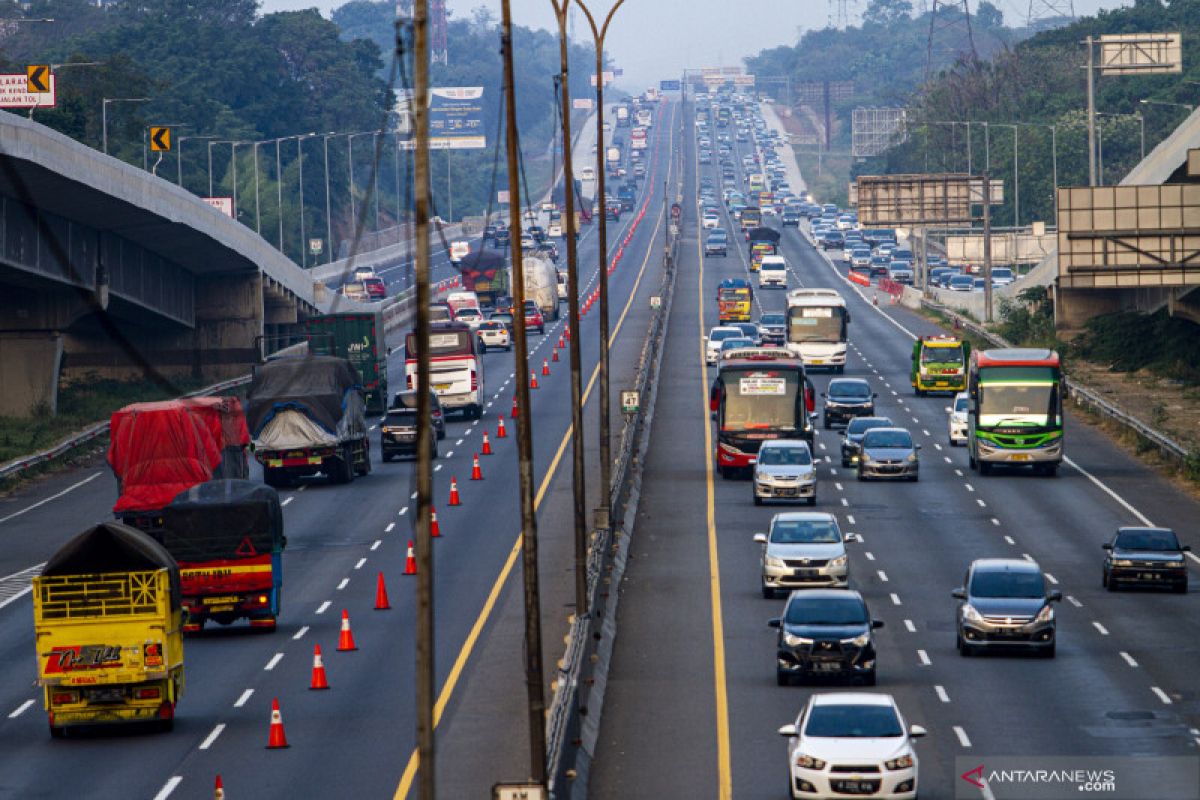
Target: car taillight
(59,698)
(408,380)
(147,693)
(474,381)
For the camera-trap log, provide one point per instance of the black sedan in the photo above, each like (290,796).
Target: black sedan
(1145,557)
(847,398)
(852,440)
(825,633)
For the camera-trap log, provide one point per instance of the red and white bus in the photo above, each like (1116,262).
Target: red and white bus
(760,393)
(455,367)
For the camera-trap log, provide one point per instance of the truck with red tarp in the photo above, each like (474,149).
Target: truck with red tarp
(227,536)
(485,273)
(157,450)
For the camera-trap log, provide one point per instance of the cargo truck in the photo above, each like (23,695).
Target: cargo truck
(107,617)
(541,285)
(358,337)
(306,415)
(227,536)
(622,116)
(485,273)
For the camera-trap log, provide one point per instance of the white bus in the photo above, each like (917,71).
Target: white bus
(455,367)
(816,327)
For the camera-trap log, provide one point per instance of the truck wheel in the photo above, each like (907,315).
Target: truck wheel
(365,467)
(273,477)
(57,732)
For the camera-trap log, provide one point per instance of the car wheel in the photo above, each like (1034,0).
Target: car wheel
(1180,588)
(782,678)
(971,462)
(919,392)
(860,475)
(768,593)
(441,434)
(840,369)
(1105,582)
(985,468)
(869,678)
(1048,652)
(757,500)
(825,422)
(965,650)
(845,464)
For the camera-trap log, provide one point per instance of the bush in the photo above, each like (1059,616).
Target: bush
(1029,320)
(1129,341)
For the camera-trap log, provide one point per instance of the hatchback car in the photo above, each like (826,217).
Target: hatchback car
(712,342)
(471,317)
(533,317)
(803,549)
(784,470)
(825,633)
(398,434)
(736,343)
(957,419)
(847,398)
(851,743)
(493,333)
(853,434)
(888,453)
(1145,557)
(1003,604)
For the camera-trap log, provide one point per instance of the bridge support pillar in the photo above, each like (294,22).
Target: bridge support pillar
(29,364)
(229,322)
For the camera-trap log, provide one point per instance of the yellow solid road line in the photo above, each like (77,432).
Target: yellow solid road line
(464,655)
(720,690)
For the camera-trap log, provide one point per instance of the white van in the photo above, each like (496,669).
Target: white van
(772,272)
(563,286)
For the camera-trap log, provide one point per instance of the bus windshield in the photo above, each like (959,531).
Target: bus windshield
(941,355)
(741,293)
(443,344)
(1021,394)
(816,324)
(760,399)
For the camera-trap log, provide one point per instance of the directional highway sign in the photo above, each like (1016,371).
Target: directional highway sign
(37,78)
(160,139)
(14,93)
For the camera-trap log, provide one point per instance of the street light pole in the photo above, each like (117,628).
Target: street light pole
(604,513)
(328,206)
(257,210)
(179,156)
(104,101)
(279,191)
(303,237)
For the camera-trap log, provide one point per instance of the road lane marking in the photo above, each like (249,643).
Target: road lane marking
(896,599)
(1026,556)
(321,609)
(870,556)
(21,709)
(342,584)
(1010,540)
(362,561)
(908,623)
(941,693)
(947,459)
(169,787)
(969,487)
(981,503)
(1052,579)
(1130,660)
(288,499)
(403,511)
(52,497)
(958,472)
(995,521)
(275,659)
(882,575)
(245,696)
(1161,695)
(850,519)
(438,468)
(838,486)
(1103,630)
(937,446)
(212,737)
(1141,517)
(460,441)
(388,529)
(300,633)
(962,736)
(1071,599)
(375,544)
(921,654)
(845,502)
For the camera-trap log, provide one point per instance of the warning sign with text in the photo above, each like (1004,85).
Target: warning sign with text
(14,93)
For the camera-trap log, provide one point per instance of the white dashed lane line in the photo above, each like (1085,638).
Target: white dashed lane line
(941,693)
(1050,577)
(321,609)
(882,575)
(1010,540)
(359,564)
(908,624)
(1129,659)
(243,698)
(388,529)
(275,659)
(212,737)
(375,544)
(1161,695)
(925,662)
(1103,630)
(1071,599)
(962,736)
(21,709)
(287,500)
(169,787)
(896,599)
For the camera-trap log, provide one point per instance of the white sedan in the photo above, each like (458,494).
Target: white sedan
(493,333)
(852,743)
(472,317)
(957,417)
(712,342)
(711,220)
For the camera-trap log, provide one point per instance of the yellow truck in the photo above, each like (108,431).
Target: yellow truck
(108,626)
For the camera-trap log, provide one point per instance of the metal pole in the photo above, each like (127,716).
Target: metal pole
(533,622)
(1100,149)
(923,278)
(399,197)
(257,210)
(104,126)
(279,191)
(378,153)
(987,248)
(426,686)
(145,154)
(1054,166)
(578,487)
(449,192)
(1142,123)
(1016,178)
(970,166)
(210,169)
(233,166)
(328,206)
(303,236)
(987,148)
(1091,111)
(353,216)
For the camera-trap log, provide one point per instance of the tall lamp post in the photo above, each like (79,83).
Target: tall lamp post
(104,116)
(604,513)
(179,155)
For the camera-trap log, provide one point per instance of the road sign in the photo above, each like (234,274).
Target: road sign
(923,199)
(668,86)
(455,118)
(608,77)
(502,196)
(676,211)
(160,139)
(1142,53)
(655,301)
(37,78)
(315,246)
(14,93)
(222,204)
(518,791)
(630,401)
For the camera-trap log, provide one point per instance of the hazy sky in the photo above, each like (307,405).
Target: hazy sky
(655,39)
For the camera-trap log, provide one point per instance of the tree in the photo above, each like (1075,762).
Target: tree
(887,12)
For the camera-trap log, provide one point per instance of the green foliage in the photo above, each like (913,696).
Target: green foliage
(1129,341)
(1029,319)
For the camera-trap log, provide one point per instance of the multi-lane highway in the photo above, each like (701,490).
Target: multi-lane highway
(358,738)
(693,706)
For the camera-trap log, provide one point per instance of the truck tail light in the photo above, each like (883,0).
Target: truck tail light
(147,693)
(408,381)
(474,381)
(61,698)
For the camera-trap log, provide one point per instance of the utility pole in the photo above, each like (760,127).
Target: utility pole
(535,697)
(987,248)
(1091,109)
(425,441)
(577,443)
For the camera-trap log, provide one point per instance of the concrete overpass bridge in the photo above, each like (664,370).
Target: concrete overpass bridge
(107,270)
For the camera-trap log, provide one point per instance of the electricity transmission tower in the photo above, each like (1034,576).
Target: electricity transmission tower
(1046,10)
(950,34)
(438,52)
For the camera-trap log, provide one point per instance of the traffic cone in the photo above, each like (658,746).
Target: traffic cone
(533,380)
(545,366)
(500,432)
(277,739)
(554,357)
(319,681)
(454,501)
(435,530)
(219,790)
(346,638)
(410,561)
(487,446)
(568,332)
(562,344)
(514,408)
(381,598)
(476,473)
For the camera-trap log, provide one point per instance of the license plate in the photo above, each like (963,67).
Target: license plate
(818,361)
(1021,457)
(1148,576)
(805,573)
(785,492)
(222,607)
(441,387)
(212,601)
(827,666)
(854,787)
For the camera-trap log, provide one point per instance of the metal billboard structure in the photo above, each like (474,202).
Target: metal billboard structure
(874,130)
(1142,53)
(905,201)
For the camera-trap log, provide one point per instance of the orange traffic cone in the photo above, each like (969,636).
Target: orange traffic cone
(554,357)
(487,446)
(410,561)
(219,790)
(560,340)
(567,330)
(533,380)
(546,366)
(319,681)
(454,501)
(346,638)
(500,432)
(381,598)
(435,530)
(277,738)
(514,408)
(476,473)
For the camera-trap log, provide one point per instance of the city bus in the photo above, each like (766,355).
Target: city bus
(760,393)
(734,297)
(817,320)
(1015,414)
(455,367)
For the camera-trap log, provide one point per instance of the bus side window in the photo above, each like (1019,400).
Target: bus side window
(714,398)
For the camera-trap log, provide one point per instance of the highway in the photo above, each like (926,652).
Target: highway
(357,739)
(693,708)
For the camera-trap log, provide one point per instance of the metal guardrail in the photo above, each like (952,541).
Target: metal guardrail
(1081,394)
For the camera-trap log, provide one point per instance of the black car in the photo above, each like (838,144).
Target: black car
(847,398)
(791,217)
(852,440)
(825,633)
(1145,557)
(1004,605)
(833,240)
(773,328)
(489,233)
(398,433)
(502,238)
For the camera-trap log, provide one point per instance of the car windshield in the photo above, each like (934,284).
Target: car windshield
(890,439)
(771,319)
(853,721)
(805,531)
(849,610)
(735,342)
(860,425)
(1007,583)
(1147,540)
(961,404)
(791,456)
(717,334)
(853,389)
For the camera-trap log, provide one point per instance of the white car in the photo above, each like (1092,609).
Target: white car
(493,333)
(852,743)
(472,317)
(362,273)
(957,414)
(784,470)
(712,342)
(555,231)
(711,220)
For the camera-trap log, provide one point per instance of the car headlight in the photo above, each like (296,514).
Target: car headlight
(792,640)
(912,458)
(865,457)
(862,640)
(1175,565)
(808,762)
(903,762)
(1122,562)
(772,561)
(1045,615)
(970,614)
(840,561)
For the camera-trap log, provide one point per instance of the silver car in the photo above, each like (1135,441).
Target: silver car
(888,453)
(957,414)
(785,471)
(803,549)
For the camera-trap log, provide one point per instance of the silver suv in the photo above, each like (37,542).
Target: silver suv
(784,470)
(803,549)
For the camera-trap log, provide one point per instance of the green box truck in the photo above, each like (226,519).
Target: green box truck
(359,338)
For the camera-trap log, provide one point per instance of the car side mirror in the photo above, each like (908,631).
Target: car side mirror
(1187,548)
(773,622)
(949,410)
(876,624)
(850,537)
(1106,546)
(874,395)
(1055,596)
(959,594)
(916,732)
(917,446)
(761,538)
(822,394)
(787,730)
(704,338)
